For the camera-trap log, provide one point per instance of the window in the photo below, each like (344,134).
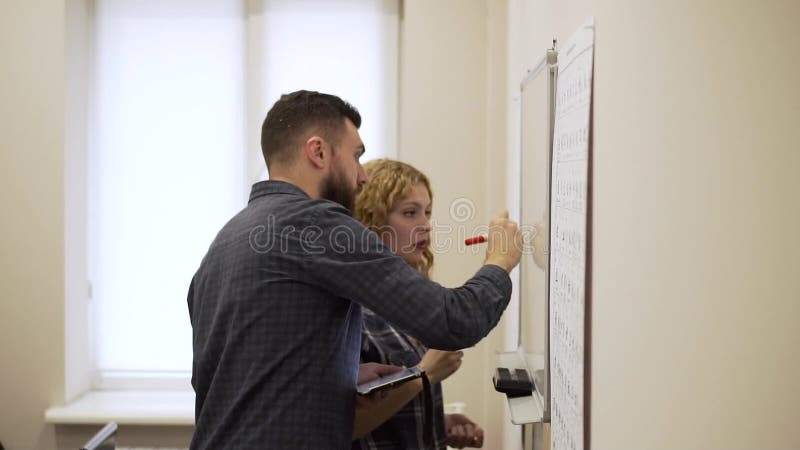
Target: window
(177,94)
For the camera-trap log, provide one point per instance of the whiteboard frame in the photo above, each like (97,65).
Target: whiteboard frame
(547,65)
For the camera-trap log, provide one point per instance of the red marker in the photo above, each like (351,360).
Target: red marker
(475,240)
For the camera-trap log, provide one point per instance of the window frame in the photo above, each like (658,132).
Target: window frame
(81,371)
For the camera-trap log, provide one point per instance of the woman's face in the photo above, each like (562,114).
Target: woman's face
(408,225)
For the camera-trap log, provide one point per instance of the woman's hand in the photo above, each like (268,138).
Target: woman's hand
(372,370)
(439,364)
(462,432)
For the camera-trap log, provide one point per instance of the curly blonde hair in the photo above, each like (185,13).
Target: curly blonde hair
(389,183)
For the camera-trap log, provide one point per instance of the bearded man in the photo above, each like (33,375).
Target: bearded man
(275,306)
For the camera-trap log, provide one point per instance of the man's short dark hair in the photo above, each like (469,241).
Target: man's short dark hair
(294,115)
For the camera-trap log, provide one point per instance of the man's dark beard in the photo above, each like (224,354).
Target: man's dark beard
(335,188)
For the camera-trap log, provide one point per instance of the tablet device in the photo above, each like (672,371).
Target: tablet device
(397,378)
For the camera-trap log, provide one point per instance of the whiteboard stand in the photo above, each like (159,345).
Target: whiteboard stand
(528,409)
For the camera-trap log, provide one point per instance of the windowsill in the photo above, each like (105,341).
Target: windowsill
(126,408)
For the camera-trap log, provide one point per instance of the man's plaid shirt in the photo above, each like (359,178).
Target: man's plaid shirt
(275,309)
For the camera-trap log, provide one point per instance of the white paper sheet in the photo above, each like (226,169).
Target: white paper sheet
(568,238)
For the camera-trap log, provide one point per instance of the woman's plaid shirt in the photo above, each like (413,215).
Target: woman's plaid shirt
(380,342)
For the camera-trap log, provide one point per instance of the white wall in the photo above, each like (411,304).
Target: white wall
(31,231)
(695,273)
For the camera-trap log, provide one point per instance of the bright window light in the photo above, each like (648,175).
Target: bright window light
(165,165)
(173,86)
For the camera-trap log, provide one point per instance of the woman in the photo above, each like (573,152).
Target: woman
(396,204)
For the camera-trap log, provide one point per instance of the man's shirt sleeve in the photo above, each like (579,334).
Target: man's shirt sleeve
(345,258)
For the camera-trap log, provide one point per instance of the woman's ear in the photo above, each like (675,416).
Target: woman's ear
(316,151)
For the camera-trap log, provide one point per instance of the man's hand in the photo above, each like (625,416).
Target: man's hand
(462,432)
(504,243)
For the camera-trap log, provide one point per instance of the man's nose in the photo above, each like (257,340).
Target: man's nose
(363,178)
